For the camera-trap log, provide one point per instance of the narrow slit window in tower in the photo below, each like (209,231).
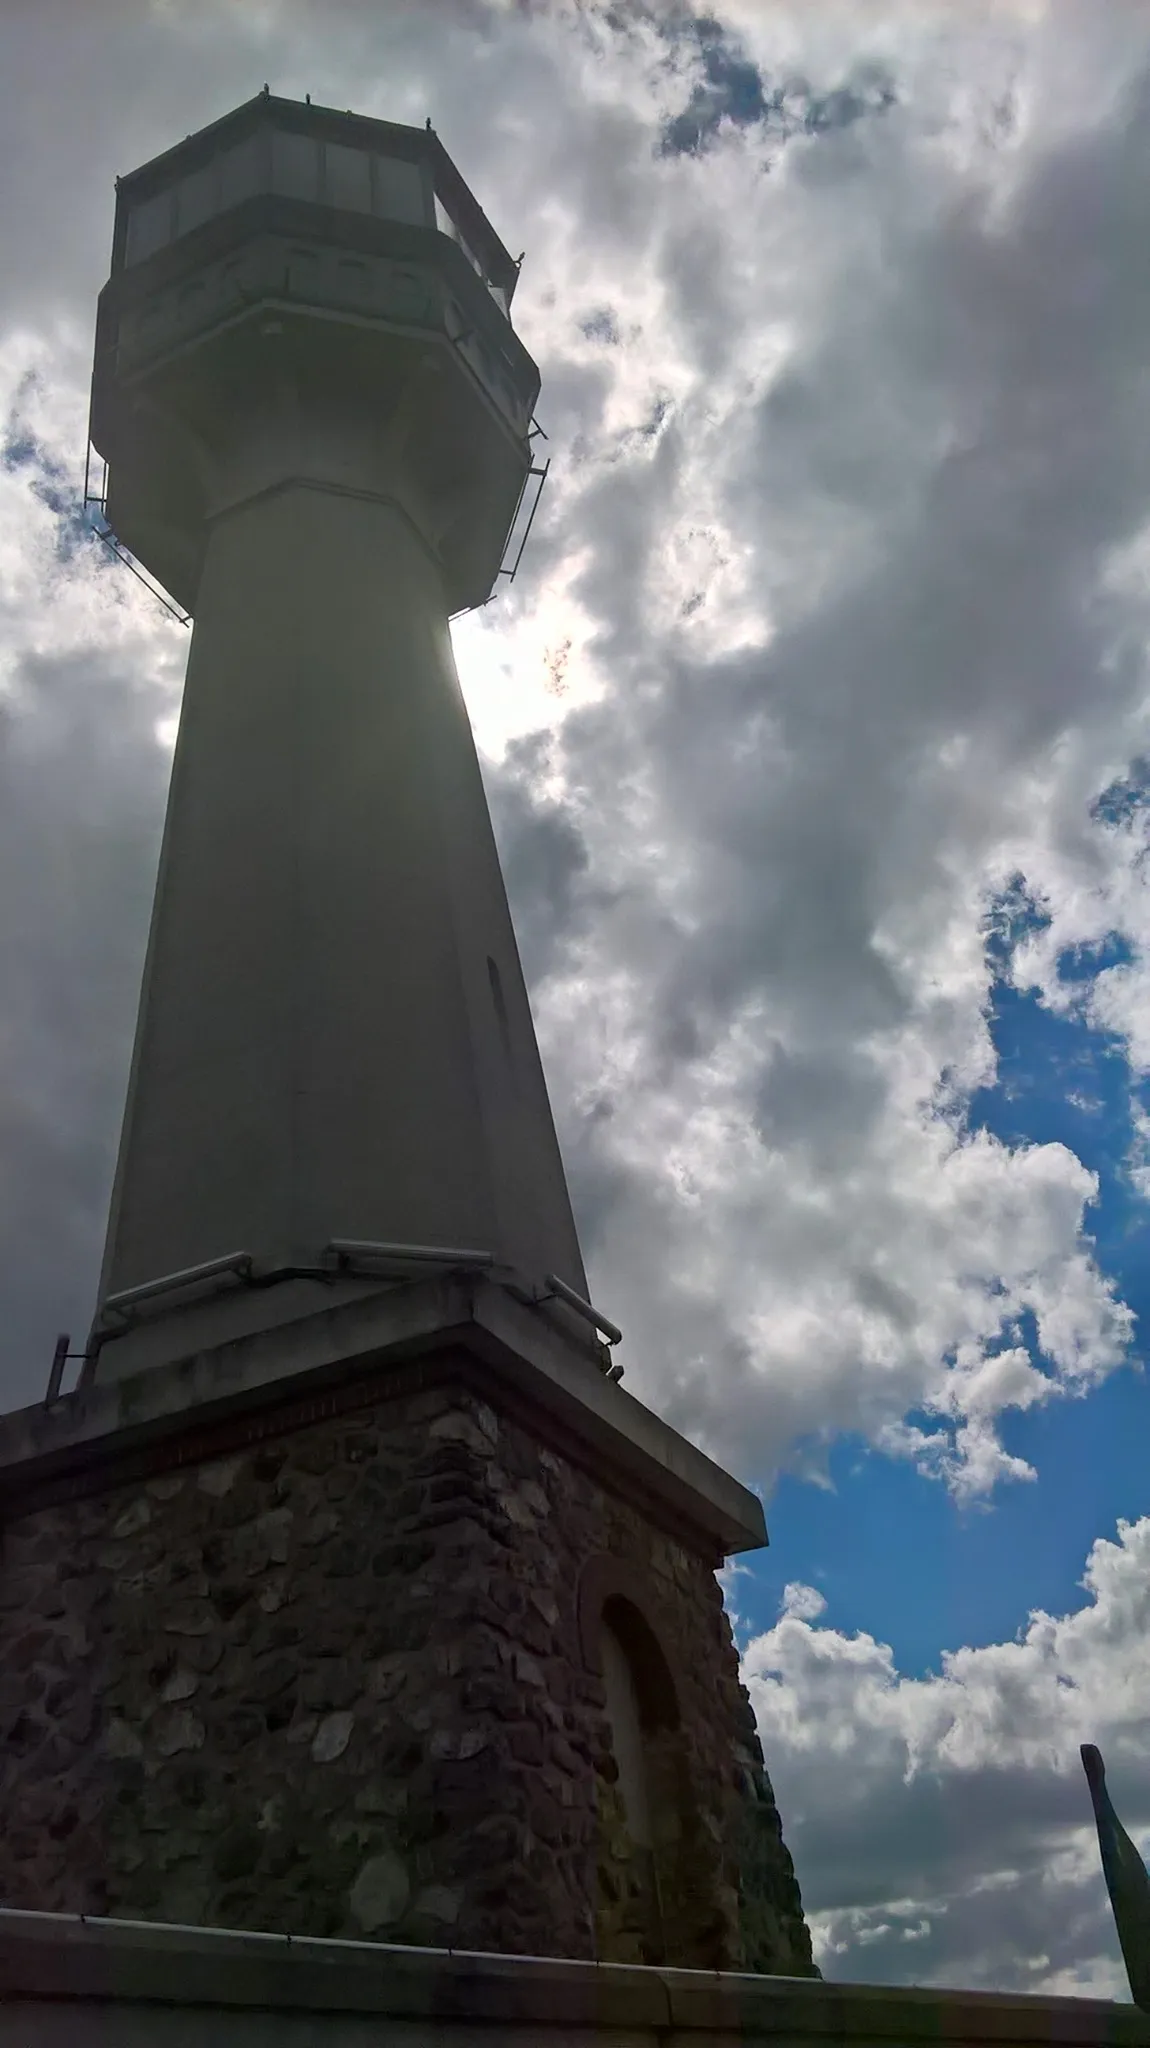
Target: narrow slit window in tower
(625,1718)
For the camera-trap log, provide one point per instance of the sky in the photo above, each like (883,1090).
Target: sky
(816,727)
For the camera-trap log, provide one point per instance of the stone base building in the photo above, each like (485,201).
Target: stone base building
(399,1624)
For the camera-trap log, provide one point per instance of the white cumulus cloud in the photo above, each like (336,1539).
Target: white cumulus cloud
(951,1812)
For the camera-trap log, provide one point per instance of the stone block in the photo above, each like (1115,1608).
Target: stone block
(526,1744)
(175,1730)
(332,1737)
(330,1683)
(380,1893)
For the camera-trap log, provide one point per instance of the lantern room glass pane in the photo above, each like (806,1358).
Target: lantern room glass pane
(348,177)
(196,198)
(295,164)
(446,226)
(241,171)
(149,226)
(399,190)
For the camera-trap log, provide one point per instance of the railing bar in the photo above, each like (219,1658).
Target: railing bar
(542,475)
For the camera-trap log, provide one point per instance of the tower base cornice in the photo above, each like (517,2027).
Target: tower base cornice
(382,1345)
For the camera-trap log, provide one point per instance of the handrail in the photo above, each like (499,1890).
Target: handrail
(421,1254)
(583,1308)
(232,1262)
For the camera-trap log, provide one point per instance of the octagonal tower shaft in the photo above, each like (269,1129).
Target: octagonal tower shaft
(334,1038)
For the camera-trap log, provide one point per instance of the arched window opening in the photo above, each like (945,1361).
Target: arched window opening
(656,1701)
(661,1872)
(642,1717)
(626,1723)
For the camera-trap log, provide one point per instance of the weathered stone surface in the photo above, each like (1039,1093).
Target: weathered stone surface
(165,1486)
(135,1517)
(120,1740)
(334,1684)
(332,1737)
(438,1902)
(273,1534)
(380,1892)
(204,1653)
(188,1618)
(381,1797)
(459,1744)
(177,1730)
(182,1685)
(237,1851)
(219,1477)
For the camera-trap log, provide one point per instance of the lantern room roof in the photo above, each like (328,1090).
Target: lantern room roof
(389,138)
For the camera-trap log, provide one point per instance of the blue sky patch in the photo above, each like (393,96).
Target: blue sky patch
(890,1550)
(733,89)
(48,480)
(600,326)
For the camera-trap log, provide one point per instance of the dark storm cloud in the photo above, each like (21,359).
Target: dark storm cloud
(81,800)
(544,859)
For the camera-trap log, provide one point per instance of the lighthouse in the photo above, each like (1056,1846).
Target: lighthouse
(316,416)
(350,1595)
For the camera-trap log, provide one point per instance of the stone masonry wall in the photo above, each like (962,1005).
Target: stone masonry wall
(331,1683)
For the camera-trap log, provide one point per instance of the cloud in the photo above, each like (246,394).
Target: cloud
(803,1603)
(828,649)
(820,639)
(842,610)
(726,86)
(941,1827)
(86,679)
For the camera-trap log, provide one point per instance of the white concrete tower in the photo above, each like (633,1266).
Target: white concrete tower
(316,417)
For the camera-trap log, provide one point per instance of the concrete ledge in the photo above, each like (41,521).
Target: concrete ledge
(67,1980)
(372,1339)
